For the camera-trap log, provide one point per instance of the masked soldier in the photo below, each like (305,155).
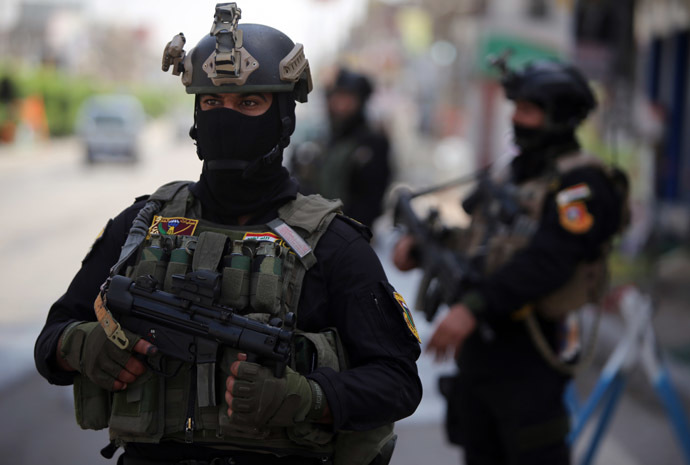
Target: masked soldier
(274,252)
(354,163)
(539,237)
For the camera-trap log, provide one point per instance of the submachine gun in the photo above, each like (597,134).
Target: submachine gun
(191,326)
(447,273)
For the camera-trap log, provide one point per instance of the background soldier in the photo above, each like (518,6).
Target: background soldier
(352,371)
(354,163)
(539,236)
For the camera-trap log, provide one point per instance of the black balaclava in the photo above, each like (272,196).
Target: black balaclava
(540,146)
(243,172)
(360,87)
(344,125)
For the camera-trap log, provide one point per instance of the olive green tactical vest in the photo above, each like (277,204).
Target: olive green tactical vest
(589,281)
(336,170)
(262,272)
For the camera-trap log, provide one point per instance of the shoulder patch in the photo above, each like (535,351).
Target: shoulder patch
(575,218)
(406,314)
(573,193)
(174,226)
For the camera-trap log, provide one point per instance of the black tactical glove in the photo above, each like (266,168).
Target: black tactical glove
(86,348)
(259,398)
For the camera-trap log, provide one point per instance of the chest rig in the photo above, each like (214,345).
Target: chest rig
(262,271)
(505,223)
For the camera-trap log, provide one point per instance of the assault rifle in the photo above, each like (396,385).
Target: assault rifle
(445,271)
(191,326)
(448,273)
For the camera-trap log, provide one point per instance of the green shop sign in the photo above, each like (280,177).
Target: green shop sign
(522,51)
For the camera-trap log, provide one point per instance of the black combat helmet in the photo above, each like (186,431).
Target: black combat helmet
(240,58)
(560,89)
(353,82)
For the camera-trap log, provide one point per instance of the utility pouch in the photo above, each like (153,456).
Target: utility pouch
(179,263)
(312,351)
(448,386)
(266,281)
(386,453)
(316,350)
(136,410)
(236,271)
(373,447)
(91,404)
(154,261)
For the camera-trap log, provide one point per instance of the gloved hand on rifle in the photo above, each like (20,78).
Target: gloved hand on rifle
(257,398)
(84,347)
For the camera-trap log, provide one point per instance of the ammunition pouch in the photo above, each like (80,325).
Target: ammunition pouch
(91,404)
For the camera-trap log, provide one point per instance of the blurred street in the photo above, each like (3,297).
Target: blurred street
(56,206)
(437,94)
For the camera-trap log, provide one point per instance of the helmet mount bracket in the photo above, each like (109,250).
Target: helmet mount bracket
(230,63)
(174,55)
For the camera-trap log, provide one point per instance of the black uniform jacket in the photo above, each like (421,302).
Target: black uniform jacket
(370,176)
(346,289)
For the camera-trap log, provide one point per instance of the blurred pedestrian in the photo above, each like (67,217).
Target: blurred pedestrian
(262,252)
(539,238)
(354,164)
(9,101)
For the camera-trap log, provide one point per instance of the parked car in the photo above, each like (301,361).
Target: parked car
(110,125)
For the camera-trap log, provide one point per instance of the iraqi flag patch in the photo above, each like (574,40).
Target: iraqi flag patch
(573,194)
(261,236)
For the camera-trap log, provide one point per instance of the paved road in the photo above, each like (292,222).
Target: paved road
(57,207)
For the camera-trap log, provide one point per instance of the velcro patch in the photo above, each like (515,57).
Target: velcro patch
(573,194)
(575,217)
(407,315)
(262,236)
(293,239)
(174,226)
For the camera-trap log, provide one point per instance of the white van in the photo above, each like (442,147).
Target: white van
(109,125)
